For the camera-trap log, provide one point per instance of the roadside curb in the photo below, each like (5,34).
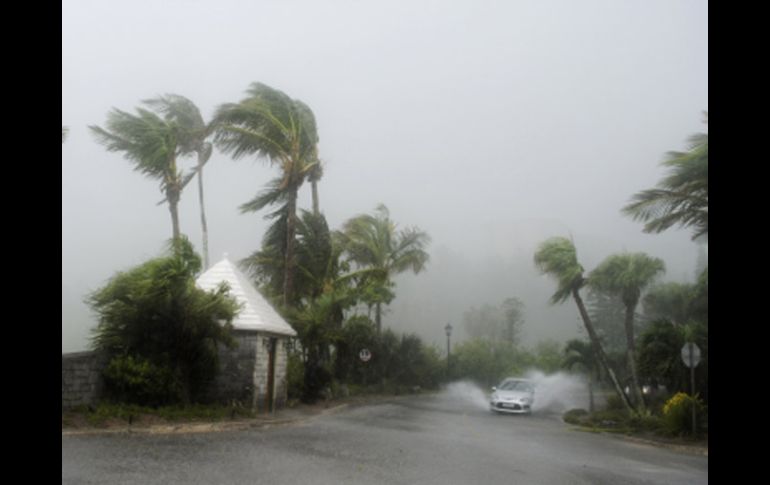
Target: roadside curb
(690,449)
(207,427)
(695,450)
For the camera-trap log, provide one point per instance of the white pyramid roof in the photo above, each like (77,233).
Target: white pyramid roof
(256,313)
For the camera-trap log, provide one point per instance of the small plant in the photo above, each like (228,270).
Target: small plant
(677,414)
(576,416)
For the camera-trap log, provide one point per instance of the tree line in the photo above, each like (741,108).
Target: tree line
(681,311)
(319,279)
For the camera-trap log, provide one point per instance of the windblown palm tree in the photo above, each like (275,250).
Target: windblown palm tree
(193,132)
(270,124)
(150,142)
(381,252)
(627,276)
(557,257)
(682,197)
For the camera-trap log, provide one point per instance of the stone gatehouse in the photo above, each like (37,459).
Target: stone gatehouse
(252,374)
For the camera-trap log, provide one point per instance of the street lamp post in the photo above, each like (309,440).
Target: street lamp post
(448,330)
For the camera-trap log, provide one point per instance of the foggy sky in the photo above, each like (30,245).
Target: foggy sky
(491,125)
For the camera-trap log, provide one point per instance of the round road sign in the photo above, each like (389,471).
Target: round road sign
(365,355)
(690,354)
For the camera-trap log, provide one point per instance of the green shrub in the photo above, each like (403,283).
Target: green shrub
(615,403)
(576,416)
(138,381)
(677,414)
(295,376)
(646,422)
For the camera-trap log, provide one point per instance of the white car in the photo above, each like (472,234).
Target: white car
(513,395)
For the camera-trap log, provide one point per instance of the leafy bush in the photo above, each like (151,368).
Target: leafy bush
(155,313)
(488,361)
(677,414)
(575,416)
(615,403)
(138,381)
(295,376)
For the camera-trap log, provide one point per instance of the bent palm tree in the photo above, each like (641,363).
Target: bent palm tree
(626,276)
(682,197)
(151,144)
(283,130)
(557,257)
(372,242)
(193,132)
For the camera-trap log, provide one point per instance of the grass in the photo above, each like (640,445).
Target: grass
(108,414)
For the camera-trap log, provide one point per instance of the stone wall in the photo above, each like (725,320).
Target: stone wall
(243,372)
(242,378)
(235,381)
(81,383)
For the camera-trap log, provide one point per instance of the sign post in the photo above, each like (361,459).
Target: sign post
(691,358)
(365,355)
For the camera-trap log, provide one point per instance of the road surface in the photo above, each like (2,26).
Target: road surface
(431,440)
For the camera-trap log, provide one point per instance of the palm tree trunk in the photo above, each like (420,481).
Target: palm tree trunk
(173,207)
(631,354)
(291,223)
(314,188)
(599,350)
(204,227)
(378,317)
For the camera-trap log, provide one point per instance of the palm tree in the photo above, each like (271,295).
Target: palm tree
(270,124)
(627,276)
(371,241)
(682,197)
(558,258)
(581,353)
(151,143)
(193,132)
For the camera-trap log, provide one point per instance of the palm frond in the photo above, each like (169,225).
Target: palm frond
(557,257)
(681,197)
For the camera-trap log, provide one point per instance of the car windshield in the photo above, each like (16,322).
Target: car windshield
(517,386)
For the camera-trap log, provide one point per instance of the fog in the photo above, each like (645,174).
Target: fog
(491,125)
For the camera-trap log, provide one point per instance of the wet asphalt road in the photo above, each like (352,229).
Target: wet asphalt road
(417,440)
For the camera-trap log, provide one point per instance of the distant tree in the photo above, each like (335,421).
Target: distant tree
(497,323)
(607,314)
(627,276)
(192,135)
(682,198)
(580,353)
(373,243)
(270,124)
(513,313)
(151,143)
(557,257)
(484,322)
(155,315)
(670,301)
